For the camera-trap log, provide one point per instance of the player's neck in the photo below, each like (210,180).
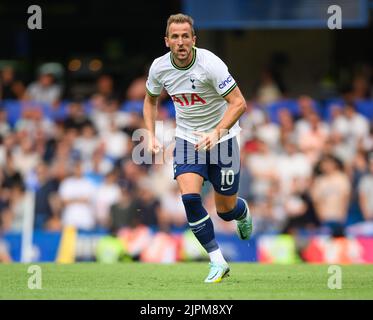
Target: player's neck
(184,63)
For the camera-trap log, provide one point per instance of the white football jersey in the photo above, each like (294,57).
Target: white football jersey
(197,91)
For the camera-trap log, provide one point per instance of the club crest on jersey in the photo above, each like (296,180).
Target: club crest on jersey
(192,79)
(188,99)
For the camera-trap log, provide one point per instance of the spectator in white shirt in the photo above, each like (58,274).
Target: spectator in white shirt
(351,125)
(78,194)
(107,194)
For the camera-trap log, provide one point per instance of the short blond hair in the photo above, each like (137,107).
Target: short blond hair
(180,18)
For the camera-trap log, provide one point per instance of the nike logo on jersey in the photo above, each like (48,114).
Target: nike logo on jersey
(225,189)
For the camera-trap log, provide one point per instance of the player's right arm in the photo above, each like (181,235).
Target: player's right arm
(153,90)
(150,115)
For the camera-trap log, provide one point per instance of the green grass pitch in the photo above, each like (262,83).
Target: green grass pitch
(184,281)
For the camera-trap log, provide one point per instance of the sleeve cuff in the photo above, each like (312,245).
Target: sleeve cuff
(152,94)
(229,90)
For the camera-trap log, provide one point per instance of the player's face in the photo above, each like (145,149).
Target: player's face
(180,41)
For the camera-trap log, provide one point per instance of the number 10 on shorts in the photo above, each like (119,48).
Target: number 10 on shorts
(227,177)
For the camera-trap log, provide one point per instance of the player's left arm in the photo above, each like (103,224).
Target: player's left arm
(236,108)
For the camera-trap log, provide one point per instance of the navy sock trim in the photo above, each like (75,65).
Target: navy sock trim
(239,212)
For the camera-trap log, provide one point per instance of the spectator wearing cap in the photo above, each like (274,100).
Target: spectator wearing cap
(44,90)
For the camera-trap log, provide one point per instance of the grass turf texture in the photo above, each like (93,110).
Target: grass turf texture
(136,281)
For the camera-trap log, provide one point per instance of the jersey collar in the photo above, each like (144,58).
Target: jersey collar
(194,52)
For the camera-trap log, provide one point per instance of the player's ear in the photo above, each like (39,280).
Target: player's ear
(194,40)
(166,42)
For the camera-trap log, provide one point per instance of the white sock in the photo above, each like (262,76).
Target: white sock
(217,257)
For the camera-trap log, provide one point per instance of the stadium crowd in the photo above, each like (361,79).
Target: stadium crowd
(306,165)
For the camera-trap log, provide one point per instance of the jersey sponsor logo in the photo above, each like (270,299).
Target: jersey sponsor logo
(185,99)
(224,83)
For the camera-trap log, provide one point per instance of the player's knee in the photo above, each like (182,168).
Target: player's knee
(225,204)
(236,211)
(225,207)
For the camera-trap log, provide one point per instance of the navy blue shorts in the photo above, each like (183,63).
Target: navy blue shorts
(220,166)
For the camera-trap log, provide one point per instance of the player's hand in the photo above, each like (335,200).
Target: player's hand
(154,146)
(207,140)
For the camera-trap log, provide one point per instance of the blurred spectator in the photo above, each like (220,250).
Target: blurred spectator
(105,86)
(287,126)
(136,90)
(116,143)
(365,189)
(125,212)
(108,113)
(77,194)
(356,170)
(173,211)
(76,118)
(162,179)
(268,91)
(312,136)
(46,208)
(87,142)
(306,106)
(33,121)
(133,173)
(351,126)
(251,120)
(4,125)
(107,194)
(268,212)
(331,192)
(98,166)
(149,208)
(17,206)
(300,211)
(4,252)
(44,90)
(10,86)
(367,142)
(25,157)
(269,133)
(262,166)
(291,165)
(10,175)
(360,88)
